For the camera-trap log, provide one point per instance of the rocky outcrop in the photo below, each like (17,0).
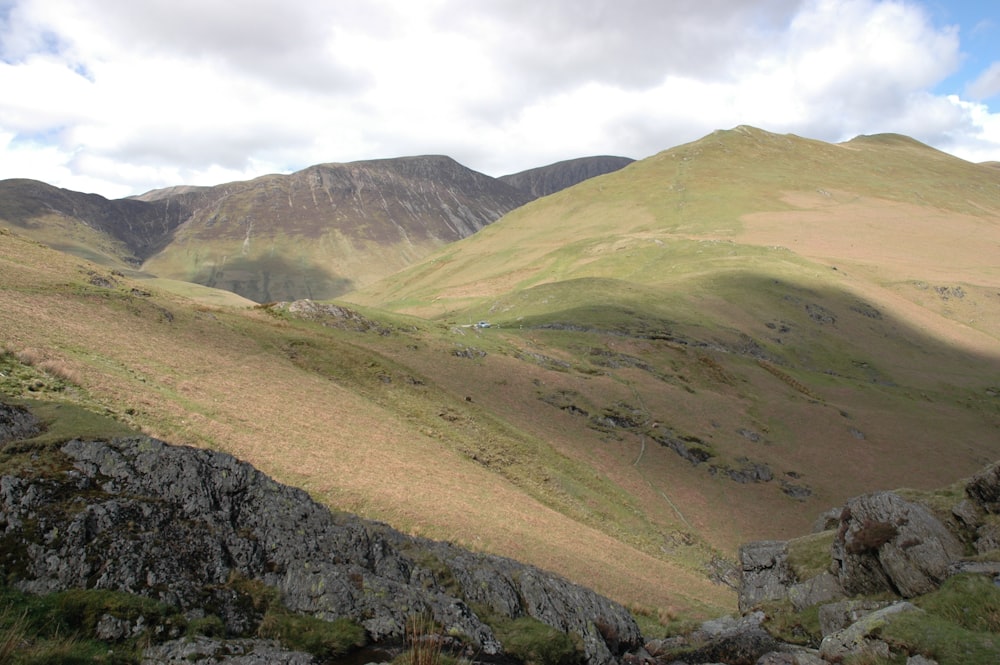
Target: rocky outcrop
(859,636)
(16,422)
(885,543)
(209,651)
(881,545)
(765,574)
(178,524)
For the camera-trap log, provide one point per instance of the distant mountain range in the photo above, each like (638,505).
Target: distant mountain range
(315,233)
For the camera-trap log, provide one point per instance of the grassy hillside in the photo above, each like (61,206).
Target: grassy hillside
(779,315)
(347,415)
(710,346)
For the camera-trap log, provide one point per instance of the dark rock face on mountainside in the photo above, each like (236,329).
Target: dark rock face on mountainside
(327,229)
(178,524)
(142,228)
(550,179)
(314,234)
(383,200)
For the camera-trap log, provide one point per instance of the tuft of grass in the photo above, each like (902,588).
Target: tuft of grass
(661,623)
(60,627)
(787,625)
(425,645)
(809,556)
(536,643)
(62,422)
(970,601)
(935,637)
(323,639)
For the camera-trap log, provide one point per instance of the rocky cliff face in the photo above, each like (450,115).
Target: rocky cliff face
(180,524)
(141,227)
(546,180)
(315,233)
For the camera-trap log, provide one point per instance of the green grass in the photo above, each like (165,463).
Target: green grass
(959,624)
(60,627)
(535,643)
(809,556)
(323,639)
(658,302)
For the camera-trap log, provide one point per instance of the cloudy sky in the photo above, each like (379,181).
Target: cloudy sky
(121,96)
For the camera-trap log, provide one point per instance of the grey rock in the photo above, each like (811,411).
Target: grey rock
(208,651)
(827,521)
(984,489)
(857,638)
(177,524)
(968,513)
(16,423)
(988,537)
(741,641)
(764,572)
(822,588)
(835,617)
(888,544)
(796,657)
(920,660)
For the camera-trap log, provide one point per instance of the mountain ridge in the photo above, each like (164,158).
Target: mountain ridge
(315,233)
(556,177)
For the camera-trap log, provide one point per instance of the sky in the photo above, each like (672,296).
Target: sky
(118,97)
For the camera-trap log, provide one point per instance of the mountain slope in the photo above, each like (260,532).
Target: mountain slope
(785,319)
(711,346)
(119,233)
(550,179)
(315,233)
(329,228)
(338,407)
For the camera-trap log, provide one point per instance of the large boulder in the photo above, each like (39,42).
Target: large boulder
(178,524)
(859,637)
(886,543)
(764,573)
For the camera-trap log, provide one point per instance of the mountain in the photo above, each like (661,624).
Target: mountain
(315,233)
(550,179)
(327,229)
(713,345)
(120,233)
(798,319)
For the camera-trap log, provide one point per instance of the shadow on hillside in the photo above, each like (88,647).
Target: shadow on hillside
(826,330)
(270,279)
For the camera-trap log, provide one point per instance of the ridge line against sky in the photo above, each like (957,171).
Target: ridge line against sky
(119,97)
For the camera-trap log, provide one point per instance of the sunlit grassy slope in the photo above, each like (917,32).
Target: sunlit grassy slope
(347,415)
(829,312)
(710,346)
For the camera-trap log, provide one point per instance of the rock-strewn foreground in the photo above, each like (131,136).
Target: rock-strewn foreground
(197,529)
(177,524)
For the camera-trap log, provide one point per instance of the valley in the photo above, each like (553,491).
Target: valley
(712,345)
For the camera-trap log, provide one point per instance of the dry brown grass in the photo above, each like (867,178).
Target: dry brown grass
(201,380)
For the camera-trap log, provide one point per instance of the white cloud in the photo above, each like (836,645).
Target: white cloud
(126,96)
(987,84)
